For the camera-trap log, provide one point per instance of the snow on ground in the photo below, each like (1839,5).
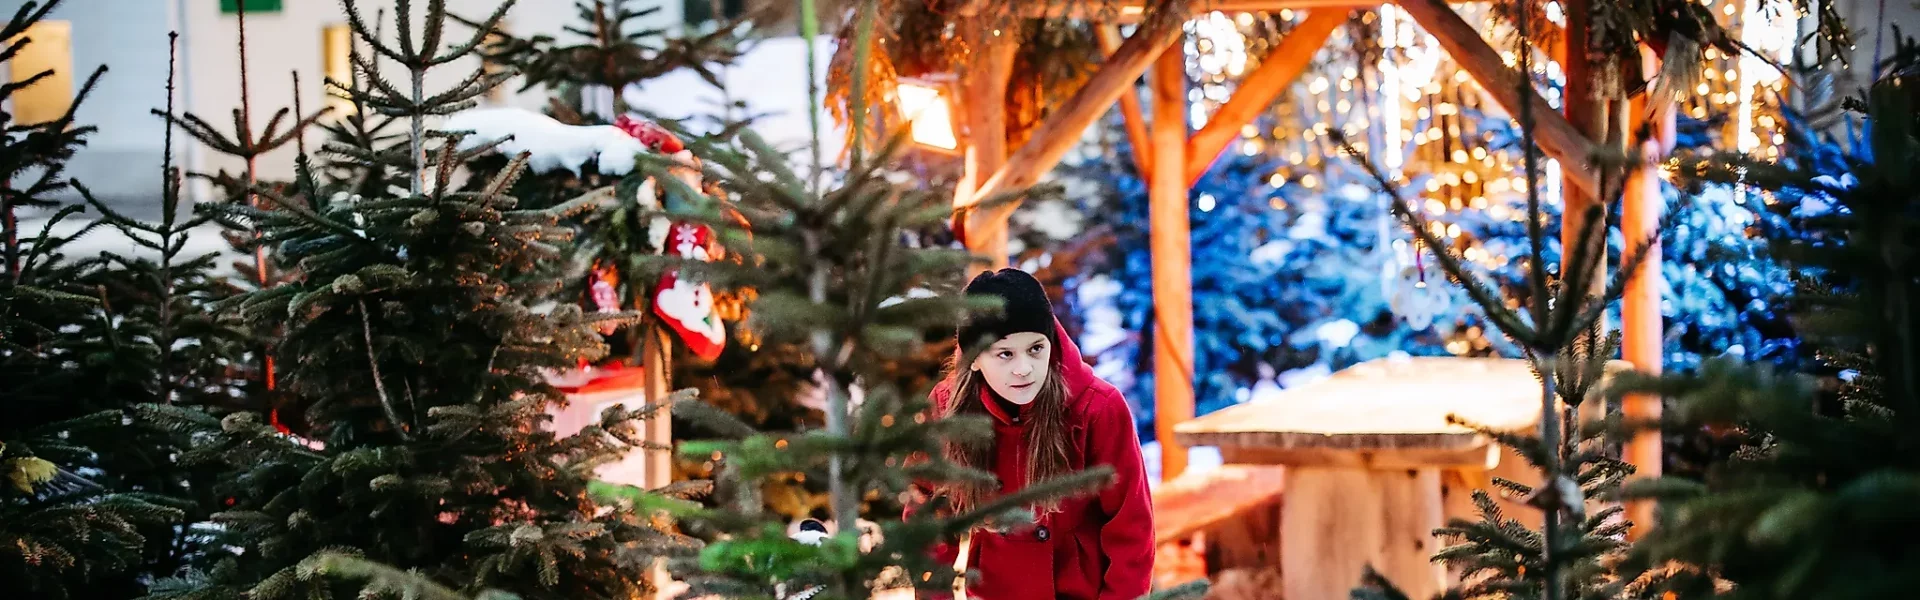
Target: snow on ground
(1200,459)
(202,240)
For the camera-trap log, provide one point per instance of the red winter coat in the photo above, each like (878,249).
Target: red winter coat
(1096,547)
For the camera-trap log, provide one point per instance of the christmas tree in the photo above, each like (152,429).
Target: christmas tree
(1556,322)
(246,141)
(409,335)
(587,79)
(82,343)
(160,349)
(1819,501)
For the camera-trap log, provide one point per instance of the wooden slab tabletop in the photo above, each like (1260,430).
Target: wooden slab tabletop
(1386,404)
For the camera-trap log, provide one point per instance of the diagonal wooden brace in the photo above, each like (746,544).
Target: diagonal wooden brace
(1556,137)
(1131,115)
(1062,129)
(1282,65)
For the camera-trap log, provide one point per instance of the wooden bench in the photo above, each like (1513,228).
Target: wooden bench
(1220,519)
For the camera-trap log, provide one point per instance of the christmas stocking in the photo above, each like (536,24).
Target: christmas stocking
(687,306)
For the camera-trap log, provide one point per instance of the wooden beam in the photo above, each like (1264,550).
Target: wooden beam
(1124,10)
(657,362)
(1170,242)
(1256,91)
(1556,137)
(1579,103)
(1130,113)
(983,106)
(1641,327)
(986,230)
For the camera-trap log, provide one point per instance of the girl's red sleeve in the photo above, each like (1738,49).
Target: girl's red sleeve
(1127,536)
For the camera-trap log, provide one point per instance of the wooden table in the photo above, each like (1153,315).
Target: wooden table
(1372,467)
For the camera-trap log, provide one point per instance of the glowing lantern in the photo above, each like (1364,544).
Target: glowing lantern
(928,108)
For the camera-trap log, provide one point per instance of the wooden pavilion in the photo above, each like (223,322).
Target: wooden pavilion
(1172,157)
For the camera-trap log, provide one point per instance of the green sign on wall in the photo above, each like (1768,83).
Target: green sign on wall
(228,7)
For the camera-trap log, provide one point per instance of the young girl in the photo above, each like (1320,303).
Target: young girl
(1051,417)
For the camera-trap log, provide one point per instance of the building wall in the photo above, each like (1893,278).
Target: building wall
(122,160)
(130,38)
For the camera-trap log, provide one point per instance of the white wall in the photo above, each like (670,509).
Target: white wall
(130,37)
(771,79)
(288,41)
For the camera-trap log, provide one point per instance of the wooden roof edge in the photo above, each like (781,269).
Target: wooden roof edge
(1358,440)
(1133,10)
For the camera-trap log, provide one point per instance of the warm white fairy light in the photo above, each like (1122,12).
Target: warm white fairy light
(1216,56)
(1772,35)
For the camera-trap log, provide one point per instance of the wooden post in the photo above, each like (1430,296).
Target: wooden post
(658,354)
(1257,90)
(1578,102)
(1131,114)
(657,362)
(984,110)
(1641,327)
(1172,261)
(1556,137)
(1060,132)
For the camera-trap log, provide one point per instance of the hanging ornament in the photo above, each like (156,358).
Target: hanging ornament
(687,306)
(605,294)
(1417,294)
(655,137)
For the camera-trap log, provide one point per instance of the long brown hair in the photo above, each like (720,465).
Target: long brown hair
(1048,449)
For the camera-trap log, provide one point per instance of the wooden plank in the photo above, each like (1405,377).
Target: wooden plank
(1126,10)
(1278,70)
(1198,501)
(1170,240)
(658,428)
(1131,115)
(1583,113)
(1481,455)
(1060,131)
(1641,327)
(1556,137)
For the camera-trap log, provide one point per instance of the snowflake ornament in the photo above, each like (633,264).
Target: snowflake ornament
(1417,294)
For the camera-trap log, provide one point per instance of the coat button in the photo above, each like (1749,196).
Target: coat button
(1042,534)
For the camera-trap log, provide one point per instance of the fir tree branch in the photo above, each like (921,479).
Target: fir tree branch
(379,385)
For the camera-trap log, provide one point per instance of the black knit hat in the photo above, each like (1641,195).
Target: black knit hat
(1027,308)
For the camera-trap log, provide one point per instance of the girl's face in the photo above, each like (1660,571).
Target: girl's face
(1016,365)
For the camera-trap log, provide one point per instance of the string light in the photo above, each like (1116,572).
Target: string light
(1418,113)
